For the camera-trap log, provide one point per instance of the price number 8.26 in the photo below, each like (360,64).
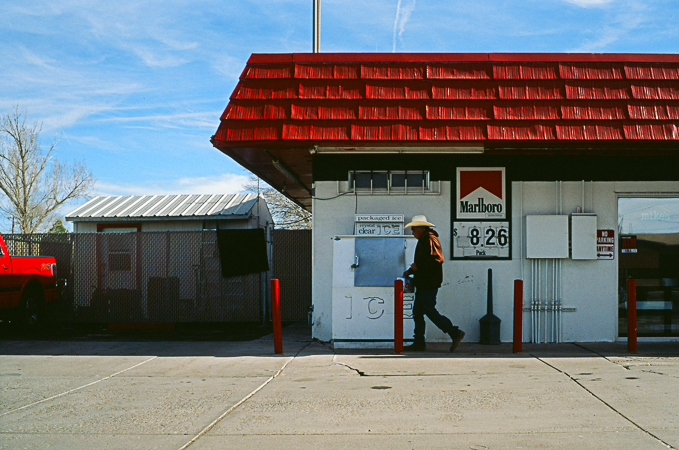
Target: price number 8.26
(489,237)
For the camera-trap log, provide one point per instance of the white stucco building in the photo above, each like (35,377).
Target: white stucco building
(556,169)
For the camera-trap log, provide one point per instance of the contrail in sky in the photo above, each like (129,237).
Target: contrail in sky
(402,16)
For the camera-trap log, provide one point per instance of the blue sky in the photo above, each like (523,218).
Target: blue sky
(134,89)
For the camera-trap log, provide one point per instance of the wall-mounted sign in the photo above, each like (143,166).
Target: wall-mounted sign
(605,244)
(628,244)
(379,218)
(481,240)
(481,193)
(378,224)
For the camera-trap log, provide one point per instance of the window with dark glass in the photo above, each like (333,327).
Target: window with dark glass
(120,251)
(383,180)
(648,245)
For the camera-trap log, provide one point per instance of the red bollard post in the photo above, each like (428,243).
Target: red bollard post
(276,317)
(518,316)
(632,316)
(398,316)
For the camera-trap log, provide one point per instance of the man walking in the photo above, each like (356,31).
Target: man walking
(427,271)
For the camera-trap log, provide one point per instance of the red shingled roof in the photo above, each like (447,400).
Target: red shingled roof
(483,98)
(293,101)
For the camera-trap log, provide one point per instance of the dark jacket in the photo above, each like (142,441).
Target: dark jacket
(429,261)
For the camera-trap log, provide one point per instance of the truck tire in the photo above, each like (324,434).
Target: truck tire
(32,308)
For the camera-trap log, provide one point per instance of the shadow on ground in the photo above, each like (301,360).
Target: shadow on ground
(232,332)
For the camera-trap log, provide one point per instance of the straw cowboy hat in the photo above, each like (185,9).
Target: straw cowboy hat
(420,221)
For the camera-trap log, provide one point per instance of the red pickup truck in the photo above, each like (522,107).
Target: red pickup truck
(27,283)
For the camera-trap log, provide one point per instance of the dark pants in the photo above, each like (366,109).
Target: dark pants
(425,305)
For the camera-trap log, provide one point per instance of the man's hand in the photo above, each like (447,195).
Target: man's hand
(413,268)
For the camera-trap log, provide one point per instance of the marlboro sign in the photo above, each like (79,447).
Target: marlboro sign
(481,193)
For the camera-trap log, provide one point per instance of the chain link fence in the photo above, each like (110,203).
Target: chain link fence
(167,277)
(147,277)
(292,267)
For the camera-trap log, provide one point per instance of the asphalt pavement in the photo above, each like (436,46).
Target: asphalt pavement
(217,394)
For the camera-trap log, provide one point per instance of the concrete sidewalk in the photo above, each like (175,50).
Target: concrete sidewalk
(214,395)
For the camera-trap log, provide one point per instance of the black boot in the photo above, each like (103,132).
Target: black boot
(415,347)
(456,340)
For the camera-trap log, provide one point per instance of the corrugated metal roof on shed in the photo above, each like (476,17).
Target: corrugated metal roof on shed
(207,205)
(221,204)
(165,206)
(195,204)
(88,206)
(103,207)
(158,206)
(126,201)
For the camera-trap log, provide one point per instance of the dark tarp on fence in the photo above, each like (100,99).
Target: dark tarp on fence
(242,252)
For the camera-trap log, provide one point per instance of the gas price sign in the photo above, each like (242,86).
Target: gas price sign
(481,240)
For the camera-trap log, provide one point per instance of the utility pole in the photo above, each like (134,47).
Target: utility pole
(317,26)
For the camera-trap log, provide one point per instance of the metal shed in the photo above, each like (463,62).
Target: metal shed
(137,259)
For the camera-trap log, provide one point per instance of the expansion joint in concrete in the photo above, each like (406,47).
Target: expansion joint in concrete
(602,356)
(608,405)
(243,400)
(70,391)
(659,373)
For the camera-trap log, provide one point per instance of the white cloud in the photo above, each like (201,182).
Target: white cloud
(181,120)
(161,60)
(402,16)
(589,3)
(222,184)
(228,66)
(619,24)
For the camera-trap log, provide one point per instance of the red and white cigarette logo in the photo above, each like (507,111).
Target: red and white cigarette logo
(490,180)
(481,193)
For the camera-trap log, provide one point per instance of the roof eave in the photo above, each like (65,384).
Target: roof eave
(160,219)
(287,58)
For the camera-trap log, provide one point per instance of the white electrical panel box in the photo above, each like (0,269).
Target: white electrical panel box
(547,237)
(583,236)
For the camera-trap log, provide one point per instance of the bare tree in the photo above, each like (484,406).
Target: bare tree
(35,183)
(285,213)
